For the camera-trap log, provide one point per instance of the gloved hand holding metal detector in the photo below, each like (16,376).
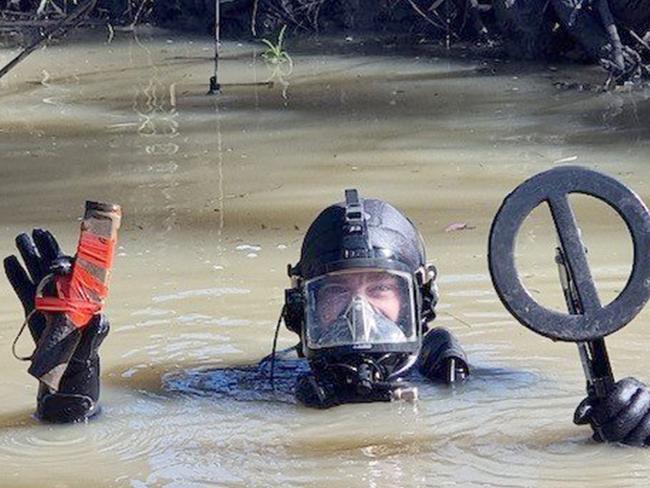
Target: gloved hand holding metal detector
(617,411)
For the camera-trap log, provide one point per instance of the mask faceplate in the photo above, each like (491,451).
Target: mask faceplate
(358,307)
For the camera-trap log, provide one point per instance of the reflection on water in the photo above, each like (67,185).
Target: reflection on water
(217,193)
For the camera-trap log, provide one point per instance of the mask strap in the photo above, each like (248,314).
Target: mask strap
(356,242)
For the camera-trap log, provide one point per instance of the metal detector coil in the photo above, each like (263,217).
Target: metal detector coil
(553,187)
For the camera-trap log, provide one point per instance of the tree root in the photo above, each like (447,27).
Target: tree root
(614,37)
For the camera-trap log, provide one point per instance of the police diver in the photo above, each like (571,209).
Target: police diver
(361,299)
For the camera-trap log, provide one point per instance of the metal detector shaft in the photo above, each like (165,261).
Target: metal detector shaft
(593,354)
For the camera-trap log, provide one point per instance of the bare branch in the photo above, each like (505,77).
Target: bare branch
(72,20)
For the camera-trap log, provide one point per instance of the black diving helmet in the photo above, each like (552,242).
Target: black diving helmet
(361,293)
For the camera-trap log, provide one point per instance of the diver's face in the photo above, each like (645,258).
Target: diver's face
(380,289)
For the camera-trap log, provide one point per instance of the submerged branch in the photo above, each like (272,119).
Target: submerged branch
(13,25)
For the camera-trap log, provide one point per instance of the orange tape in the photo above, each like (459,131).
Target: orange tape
(54,304)
(80,294)
(96,250)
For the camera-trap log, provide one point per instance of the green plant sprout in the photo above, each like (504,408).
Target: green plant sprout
(276,55)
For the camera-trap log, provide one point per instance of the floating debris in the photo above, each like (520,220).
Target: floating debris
(248,247)
(459,226)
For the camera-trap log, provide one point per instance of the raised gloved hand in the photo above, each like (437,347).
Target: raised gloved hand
(623,416)
(78,392)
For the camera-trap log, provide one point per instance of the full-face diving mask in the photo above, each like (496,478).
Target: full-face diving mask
(360,329)
(361,309)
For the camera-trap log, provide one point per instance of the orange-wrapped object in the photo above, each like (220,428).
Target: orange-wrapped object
(80,294)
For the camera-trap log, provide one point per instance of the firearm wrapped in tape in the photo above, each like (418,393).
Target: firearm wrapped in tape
(77,296)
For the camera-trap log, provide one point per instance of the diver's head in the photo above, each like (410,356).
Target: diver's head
(362,291)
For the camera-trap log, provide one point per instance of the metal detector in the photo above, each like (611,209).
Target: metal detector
(587,321)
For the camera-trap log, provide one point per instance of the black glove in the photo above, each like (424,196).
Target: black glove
(78,392)
(442,358)
(623,416)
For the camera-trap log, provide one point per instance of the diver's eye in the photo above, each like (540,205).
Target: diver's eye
(334,291)
(382,289)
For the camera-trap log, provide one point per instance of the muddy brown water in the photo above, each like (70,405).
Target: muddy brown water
(217,193)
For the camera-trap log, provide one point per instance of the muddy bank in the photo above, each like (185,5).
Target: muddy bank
(612,33)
